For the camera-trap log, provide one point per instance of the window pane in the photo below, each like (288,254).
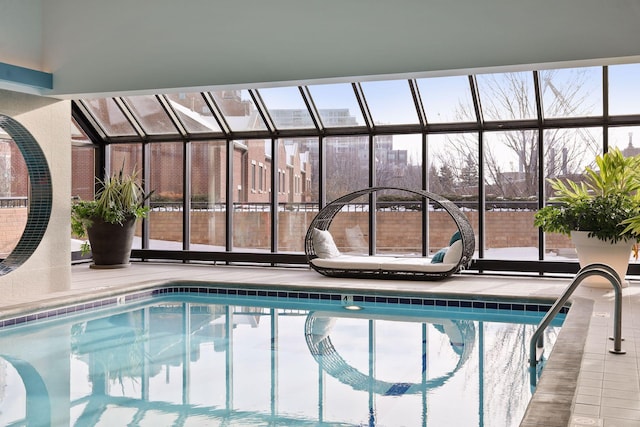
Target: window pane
(447,99)
(286,108)
(347,168)
(626,138)
(511,184)
(572,92)
(508,96)
(109,116)
(398,160)
(82,172)
(398,213)
(252,208)
(624,89)
(165,220)
(208,191)
(128,157)
(82,164)
(297,199)
(567,153)
(390,102)
(194,113)
(150,114)
(453,173)
(14,192)
(347,165)
(337,105)
(238,109)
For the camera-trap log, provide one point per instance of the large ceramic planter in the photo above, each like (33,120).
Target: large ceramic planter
(592,250)
(111,243)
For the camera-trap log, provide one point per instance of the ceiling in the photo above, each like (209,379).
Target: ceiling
(98,48)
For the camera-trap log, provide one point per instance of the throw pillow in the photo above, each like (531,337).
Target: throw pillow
(455,237)
(454,253)
(323,244)
(438,257)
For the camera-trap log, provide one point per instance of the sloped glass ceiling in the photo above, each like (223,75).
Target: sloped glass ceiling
(401,106)
(244,163)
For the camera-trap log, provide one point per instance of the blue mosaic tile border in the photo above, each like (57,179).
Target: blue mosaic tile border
(40,196)
(301,296)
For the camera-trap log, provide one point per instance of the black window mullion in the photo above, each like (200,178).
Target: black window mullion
(372,196)
(425,186)
(322,173)
(605,108)
(275,189)
(146,184)
(124,108)
(475,96)
(364,108)
(229,197)
(211,103)
(481,195)
(173,116)
(262,110)
(186,196)
(541,151)
(311,106)
(417,101)
(87,122)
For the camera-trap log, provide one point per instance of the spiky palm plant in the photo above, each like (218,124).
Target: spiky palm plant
(120,198)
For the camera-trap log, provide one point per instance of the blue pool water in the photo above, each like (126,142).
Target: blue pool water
(213,356)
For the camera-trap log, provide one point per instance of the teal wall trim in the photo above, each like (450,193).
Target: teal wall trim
(26,76)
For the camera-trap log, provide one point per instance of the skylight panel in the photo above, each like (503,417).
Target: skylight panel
(447,99)
(239,110)
(150,114)
(624,89)
(507,96)
(109,116)
(571,92)
(390,102)
(287,108)
(337,105)
(193,112)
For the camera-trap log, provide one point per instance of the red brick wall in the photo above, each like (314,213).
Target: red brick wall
(12,223)
(396,231)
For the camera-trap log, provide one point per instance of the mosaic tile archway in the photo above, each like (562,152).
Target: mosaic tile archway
(40,197)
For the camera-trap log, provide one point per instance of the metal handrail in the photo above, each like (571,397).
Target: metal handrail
(595,269)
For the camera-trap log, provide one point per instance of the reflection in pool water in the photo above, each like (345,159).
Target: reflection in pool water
(187,360)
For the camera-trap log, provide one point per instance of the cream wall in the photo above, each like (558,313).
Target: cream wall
(49,268)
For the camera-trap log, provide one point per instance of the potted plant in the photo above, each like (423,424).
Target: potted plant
(596,212)
(109,220)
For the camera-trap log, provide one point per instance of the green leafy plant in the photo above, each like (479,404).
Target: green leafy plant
(605,203)
(120,198)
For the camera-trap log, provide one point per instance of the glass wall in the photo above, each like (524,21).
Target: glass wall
(252,173)
(297,196)
(166,181)
(259,163)
(511,189)
(208,195)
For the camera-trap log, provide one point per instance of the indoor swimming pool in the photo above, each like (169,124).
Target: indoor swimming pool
(205,355)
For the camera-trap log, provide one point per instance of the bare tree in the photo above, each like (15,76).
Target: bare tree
(511,157)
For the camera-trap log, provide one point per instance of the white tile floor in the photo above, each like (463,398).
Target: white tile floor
(608,388)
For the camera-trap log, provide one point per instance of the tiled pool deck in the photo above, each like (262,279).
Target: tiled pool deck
(601,390)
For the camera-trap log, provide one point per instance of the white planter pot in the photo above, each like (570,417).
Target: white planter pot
(592,250)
